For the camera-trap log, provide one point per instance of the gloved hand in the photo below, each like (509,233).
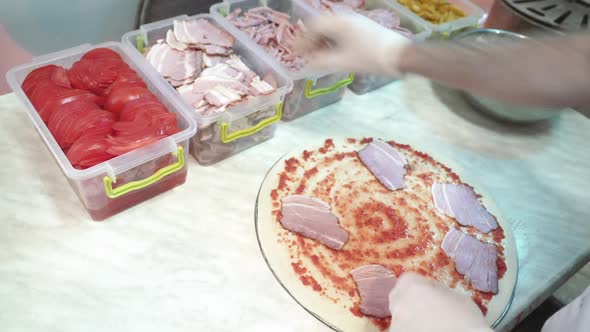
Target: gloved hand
(359,45)
(574,317)
(418,304)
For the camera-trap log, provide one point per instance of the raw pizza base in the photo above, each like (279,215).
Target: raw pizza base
(336,315)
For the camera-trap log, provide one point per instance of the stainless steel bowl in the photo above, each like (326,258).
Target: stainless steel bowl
(495,108)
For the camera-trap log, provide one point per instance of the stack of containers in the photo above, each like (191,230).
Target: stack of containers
(241,126)
(311,90)
(129,179)
(474,18)
(363,82)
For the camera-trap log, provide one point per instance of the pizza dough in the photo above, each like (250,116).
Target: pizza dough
(400,230)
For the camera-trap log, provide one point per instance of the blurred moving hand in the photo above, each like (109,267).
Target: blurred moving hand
(357,44)
(418,304)
(551,71)
(574,317)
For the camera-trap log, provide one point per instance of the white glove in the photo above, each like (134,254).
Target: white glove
(418,304)
(360,45)
(574,317)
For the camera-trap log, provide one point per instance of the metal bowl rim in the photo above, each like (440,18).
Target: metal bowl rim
(490,31)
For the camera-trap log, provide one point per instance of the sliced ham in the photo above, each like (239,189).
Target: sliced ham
(195,62)
(460,202)
(179,83)
(312,218)
(474,259)
(215,49)
(197,58)
(212,60)
(374,282)
(222,96)
(155,54)
(260,87)
(173,42)
(386,164)
(211,82)
(180,32)
(190,95)
(174,64)
(236,63)
(201,32)
(223,70)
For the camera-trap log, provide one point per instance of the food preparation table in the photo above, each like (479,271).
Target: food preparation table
(188,260)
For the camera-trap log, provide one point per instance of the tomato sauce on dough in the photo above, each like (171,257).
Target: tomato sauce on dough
(400,230)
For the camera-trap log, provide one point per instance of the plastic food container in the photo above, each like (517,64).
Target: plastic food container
(311,90)
(474,19)
(363,82)
(129,179)
(239,127)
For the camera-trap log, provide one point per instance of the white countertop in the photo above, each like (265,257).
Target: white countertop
(188,260)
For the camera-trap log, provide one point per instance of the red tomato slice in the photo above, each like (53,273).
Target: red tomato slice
(64,118)
(129,114)
(45,92)
(89,151)
(142,122)
(121,84)
(145,102)
(102,52)
(92,122)
(128,75)
(123,93)
(39,74)
(64,98)
(102,127)
(96,75)
(60,78)
(167,124)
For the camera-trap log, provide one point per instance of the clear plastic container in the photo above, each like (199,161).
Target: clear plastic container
(474,19)
(311,90)
(239,127)
(363,82)
(129,179)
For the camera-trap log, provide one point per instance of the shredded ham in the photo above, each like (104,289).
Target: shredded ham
(272,30)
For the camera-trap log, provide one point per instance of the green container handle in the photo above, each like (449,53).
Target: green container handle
(226,138)
(140,184)
(309,93)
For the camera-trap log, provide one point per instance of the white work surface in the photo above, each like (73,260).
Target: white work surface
(188,260)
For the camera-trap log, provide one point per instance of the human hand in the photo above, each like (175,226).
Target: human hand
(574,317)
(357,44)
(418,304)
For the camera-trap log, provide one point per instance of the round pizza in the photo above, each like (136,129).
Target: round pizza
(338,223)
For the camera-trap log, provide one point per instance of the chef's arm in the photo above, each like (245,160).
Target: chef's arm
(574,317)
(551,72)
